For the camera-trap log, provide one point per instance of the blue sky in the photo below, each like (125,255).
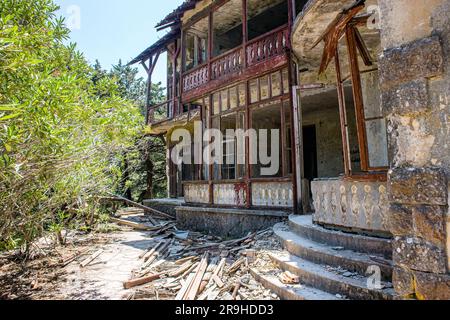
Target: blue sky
(110,30)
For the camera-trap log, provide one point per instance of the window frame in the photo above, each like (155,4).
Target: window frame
(350,35)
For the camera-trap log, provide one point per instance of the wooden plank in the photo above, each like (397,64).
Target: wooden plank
(185,287)
(141,281)
(152,251)
(235,267)
(219,283)
(89,260)
(134,225)
(141,206)
(184,260)
(236,291)
(185,267)
(156,254)
(193,290)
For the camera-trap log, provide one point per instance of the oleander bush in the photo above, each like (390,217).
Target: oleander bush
(65,127)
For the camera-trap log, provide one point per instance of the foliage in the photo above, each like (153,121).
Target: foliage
(147,155)
(64,126)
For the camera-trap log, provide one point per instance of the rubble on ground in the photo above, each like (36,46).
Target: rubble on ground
(176,265)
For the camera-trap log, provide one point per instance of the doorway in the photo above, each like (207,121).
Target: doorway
(310,152)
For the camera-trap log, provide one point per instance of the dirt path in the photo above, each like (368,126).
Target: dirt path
(103,279)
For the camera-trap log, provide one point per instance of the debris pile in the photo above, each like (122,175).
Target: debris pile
(184,265)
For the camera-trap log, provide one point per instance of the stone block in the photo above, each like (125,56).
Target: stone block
(430,224)
(227,223)
(419,59)
(432,286)
(427,186)
(400,220)
(419,255)
(403,281)
(407,98)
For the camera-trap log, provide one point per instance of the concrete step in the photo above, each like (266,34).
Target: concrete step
(303,226)
(328,280)
(289,292)
(326,255)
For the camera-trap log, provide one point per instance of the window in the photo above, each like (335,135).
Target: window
(269,86)
(364,126)
(228,122)
(228,115)
(227,31)
(196,44)
(267,118)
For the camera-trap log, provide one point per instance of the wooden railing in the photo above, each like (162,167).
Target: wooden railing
(196,78)
(267,46)
(258,50)
(161,112)
(228,63)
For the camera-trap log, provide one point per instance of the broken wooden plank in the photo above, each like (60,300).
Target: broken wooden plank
(195,286)
(141,206)
(157,254)
(90,259)
(185,287)
(236,290)
(220,268)
(235,267)
(184,260)
(185,267)
(147,255)
(74,257)
(219,283)
(134,225)
(195,265)
(141,281)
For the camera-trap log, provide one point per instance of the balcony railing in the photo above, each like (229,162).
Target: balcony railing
(261,49)
(222,68)
(267,46)
(161,112)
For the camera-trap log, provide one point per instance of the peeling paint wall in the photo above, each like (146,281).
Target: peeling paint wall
(330,161)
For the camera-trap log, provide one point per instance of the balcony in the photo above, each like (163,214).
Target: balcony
(240,62)
(261,54)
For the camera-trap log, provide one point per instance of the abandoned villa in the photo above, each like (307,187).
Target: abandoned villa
(360,94)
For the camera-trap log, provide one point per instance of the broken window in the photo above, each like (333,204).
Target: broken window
(196,44)
(227,30)
(364,126)
(269,86)
(228,122)
(267,118)
(264,16)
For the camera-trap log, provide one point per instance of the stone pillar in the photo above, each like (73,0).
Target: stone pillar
(415,86)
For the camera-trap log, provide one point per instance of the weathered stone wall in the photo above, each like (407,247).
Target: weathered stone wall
(415,85)
(228,223)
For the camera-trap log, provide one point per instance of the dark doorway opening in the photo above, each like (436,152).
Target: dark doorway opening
(310,153)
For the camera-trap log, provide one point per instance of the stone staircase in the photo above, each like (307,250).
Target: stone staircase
(332,265)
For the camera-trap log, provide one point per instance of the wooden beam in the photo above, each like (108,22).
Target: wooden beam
(334,32)
(141,281)
(342,115)
(141,206)
(358,97)
(362,48)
